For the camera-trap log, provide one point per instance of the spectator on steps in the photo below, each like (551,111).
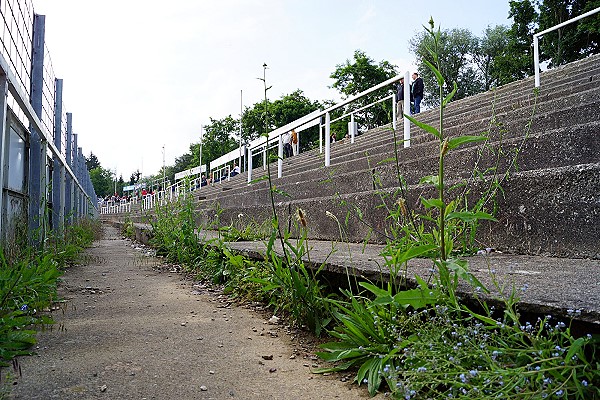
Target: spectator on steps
(416,91)
(295,142)
(400,98)
(235,171)
(286,138)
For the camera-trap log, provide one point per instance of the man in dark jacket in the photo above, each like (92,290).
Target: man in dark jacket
(400,99)
(417,91)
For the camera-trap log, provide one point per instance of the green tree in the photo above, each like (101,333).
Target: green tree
(489,48)
(516,62)
(135,177)
(573,41)
(187,160)
(288,108)
(103,181)
(219,138)
(91,162)
(362,73)
(253,121)
(456,50)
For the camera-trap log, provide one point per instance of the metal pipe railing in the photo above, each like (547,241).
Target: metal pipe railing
(536,46)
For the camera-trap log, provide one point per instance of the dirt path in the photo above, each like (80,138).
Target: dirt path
(130,331)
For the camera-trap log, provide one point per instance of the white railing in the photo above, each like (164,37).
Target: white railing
(536,45)
(315,117)
(264,144)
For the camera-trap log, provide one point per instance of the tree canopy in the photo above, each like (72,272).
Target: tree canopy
(362,73)
(456,51)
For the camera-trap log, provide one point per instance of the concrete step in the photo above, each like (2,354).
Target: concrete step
(542,212)
(489,159)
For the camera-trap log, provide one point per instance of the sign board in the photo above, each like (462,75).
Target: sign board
(190,172)
(131,188)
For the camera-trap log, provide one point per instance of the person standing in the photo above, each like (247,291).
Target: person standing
(400,99)
(295,147)
(286,138)
(416,90)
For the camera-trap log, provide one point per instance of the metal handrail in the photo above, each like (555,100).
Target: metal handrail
(536,45)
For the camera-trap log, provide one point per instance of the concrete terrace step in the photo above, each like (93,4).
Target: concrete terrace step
(488,159)
(415,161)
(536,212)
(563,77)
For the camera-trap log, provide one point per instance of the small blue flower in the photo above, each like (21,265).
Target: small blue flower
(473,372)
(584,382)
(24,307)
(421,369)
(463,378)
(559,393)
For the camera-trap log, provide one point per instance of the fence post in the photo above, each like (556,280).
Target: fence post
(279,157)
(3,144)
(58,171)
(327,139)
(249,165)
(353,130)
(75,168)
(37,153)
(69,180)
(406,110)
(81,168)
(321,135)
(394,112)
(536,59)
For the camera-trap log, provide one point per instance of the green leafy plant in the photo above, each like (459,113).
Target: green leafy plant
(174,231)
(423,341)
(28,286)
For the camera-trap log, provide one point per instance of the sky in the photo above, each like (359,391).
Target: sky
(141,77)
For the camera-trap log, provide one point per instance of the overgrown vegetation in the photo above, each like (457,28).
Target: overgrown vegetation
(425,342)
(28,285)
(414,342)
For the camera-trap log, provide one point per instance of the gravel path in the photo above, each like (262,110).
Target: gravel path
(132,330)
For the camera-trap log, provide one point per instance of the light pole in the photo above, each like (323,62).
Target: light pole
(200,152)
(164,172)
(241,113)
